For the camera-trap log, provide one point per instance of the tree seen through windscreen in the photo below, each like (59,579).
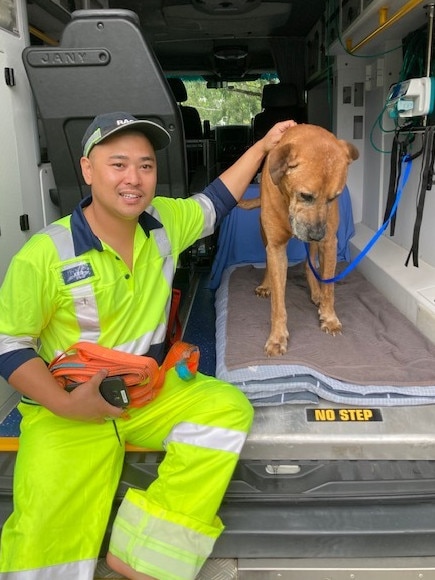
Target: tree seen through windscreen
(235,104)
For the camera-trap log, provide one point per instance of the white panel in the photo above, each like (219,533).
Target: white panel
(348,72)
(19,179)
(10,199)
(19,175)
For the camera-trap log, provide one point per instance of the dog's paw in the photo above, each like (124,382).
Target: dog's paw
(276,347)
(331,326)
(262,291)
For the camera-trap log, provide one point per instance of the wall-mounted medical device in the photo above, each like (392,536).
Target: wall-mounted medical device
(412,98)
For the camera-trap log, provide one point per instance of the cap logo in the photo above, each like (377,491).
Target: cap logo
(124,121)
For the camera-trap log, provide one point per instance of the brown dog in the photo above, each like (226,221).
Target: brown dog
(301,180)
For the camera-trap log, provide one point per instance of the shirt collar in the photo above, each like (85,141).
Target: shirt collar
(84,238)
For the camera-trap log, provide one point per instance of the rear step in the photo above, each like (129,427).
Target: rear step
(328,569)
(286,569)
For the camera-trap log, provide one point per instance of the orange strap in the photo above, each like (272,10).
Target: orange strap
(141,374)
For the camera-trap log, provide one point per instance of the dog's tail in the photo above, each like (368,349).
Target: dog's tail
(249,203)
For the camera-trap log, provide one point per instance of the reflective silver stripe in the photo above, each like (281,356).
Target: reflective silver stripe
(161,237)
(85,304)
(162,548)
(142,343)
(206,436)
(86,310)
(10,343)
(62,239)
(209,213)
(165,249)
(83,570)
(168,274)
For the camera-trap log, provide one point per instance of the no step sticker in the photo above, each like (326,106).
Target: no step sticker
(344,415)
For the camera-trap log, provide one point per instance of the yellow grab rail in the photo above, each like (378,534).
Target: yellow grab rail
(12,444)
(384,23)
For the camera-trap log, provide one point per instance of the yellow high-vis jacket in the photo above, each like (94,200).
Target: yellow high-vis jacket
(66,285)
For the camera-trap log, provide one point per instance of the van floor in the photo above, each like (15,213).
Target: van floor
(200,324)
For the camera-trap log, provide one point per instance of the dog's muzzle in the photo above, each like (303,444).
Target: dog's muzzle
(317,233)
(308,233)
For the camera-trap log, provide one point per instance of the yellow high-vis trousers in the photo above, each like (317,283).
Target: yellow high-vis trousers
(67,473)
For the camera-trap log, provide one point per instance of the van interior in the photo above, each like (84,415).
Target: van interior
(337,477)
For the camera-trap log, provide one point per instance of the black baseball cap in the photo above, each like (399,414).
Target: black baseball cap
(109,123)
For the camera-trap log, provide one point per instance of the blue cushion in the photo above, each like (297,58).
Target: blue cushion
(240,242)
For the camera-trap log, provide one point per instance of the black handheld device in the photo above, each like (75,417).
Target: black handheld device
(113,389)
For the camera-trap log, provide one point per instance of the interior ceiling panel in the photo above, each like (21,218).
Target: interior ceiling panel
(260,21)
(184,33)
(219,6)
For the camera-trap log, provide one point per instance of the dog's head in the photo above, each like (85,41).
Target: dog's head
(309,167)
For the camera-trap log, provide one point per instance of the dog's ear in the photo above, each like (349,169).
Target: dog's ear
(279,162)
(352,151)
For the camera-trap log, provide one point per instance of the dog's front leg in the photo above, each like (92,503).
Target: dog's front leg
(313,283)
(329,321)
(277,277)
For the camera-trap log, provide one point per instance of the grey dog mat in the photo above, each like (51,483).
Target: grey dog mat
(380,358)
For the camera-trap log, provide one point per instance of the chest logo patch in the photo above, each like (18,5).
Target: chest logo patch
(77,272)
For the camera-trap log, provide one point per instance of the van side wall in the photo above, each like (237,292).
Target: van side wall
(21,212)
(360,86)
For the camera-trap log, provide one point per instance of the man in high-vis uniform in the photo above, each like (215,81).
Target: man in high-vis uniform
(104,275)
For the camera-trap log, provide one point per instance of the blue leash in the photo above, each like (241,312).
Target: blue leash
(405,171)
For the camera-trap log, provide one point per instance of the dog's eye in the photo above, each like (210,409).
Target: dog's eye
(307,197)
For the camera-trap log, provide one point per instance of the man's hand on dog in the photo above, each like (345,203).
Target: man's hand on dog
(240,174)
(273,136)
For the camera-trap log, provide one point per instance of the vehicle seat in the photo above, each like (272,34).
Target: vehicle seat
(103,63)
(191,119)
(279,103)
(231,142)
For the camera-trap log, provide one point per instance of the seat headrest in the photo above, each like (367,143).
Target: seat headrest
(178,89)
(280,95)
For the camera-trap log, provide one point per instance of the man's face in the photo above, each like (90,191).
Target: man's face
(122,173)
